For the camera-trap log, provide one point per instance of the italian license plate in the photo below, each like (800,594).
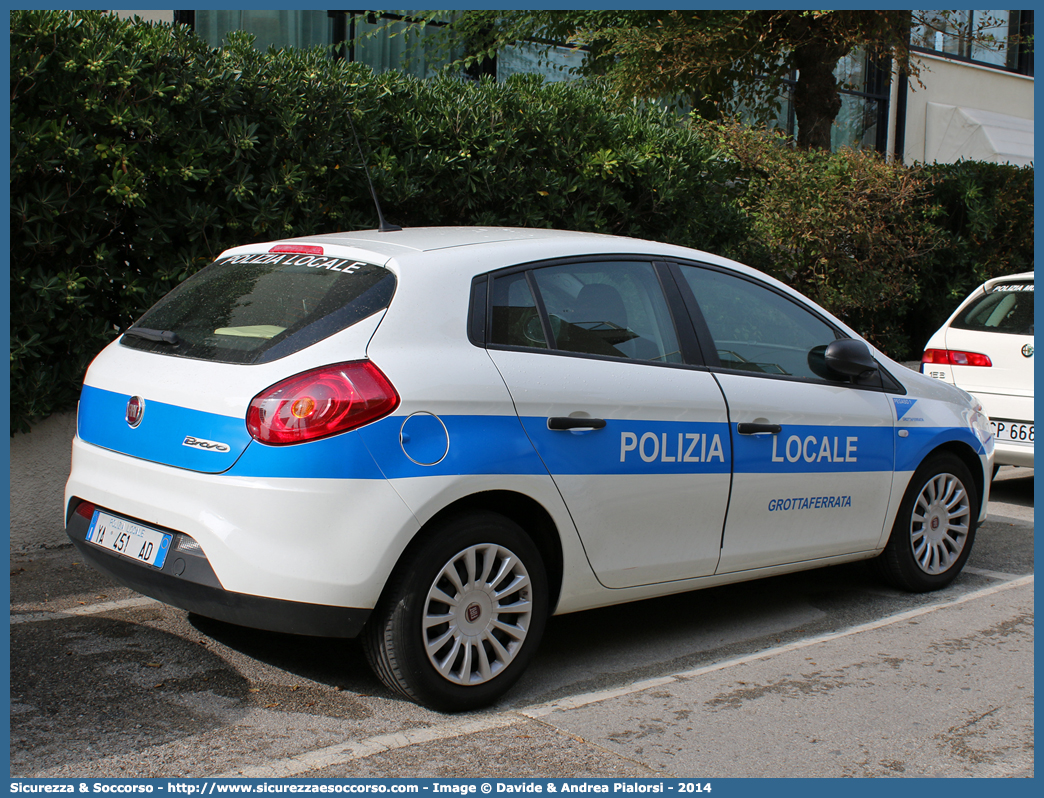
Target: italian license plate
(1012,431)
(137,542)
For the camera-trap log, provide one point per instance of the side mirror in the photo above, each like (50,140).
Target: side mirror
(845,357)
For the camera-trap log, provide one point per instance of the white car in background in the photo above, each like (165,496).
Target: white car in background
(986,348)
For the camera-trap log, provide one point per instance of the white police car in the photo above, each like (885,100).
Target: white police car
(435,438)
(986,348)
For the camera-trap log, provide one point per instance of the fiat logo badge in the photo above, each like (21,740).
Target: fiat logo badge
(472,613)
(1027,350)
(135,410)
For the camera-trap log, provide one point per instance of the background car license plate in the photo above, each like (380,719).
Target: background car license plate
(1012,431)
(135,541)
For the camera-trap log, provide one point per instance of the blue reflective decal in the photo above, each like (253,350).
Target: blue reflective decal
(163,432)
(340,457)
(902,406)
(499,445)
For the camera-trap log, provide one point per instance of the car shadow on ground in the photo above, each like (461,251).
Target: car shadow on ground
(337,663)
(612,646)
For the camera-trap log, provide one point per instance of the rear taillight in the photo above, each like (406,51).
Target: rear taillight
(955,357)
(319,403)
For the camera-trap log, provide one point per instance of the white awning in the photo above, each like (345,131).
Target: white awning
(953,132)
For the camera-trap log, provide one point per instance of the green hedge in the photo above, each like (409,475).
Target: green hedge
(845,228)
(138,153)
(984,213)
(891,249)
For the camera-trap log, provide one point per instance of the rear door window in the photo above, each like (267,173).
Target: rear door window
(261,307)
(611,309)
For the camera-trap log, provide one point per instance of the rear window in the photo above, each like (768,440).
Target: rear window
(261,307)
(1007,308)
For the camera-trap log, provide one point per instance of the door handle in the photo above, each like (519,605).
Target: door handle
(754,428)
(570,422)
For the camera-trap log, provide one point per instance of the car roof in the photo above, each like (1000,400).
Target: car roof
(418,240)
(427,239)
(501,246)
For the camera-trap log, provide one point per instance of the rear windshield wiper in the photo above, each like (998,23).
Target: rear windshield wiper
(160,336)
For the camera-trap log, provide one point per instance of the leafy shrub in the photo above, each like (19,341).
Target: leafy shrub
(985,214)
(891,249)
(846,229)
(562,155)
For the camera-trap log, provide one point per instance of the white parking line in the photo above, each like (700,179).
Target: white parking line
(345,752)
(341,754)
(990,574)
(541,710)
(87,609)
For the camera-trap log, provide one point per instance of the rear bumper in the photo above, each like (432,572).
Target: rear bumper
(1015,408)
(307,541)
(189,582)
(1013,454)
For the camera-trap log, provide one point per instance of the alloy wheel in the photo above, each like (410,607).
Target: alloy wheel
(477,614)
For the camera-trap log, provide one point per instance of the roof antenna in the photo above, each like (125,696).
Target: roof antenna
(384,226)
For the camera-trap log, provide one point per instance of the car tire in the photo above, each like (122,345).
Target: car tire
(935,527)
(462,615)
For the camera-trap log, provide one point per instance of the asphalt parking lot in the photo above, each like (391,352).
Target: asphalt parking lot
(825,673)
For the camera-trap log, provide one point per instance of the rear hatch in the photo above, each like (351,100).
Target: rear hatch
(998,324)
(194,361)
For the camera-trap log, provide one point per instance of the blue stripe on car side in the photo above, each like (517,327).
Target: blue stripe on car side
(340,457)
(505,445)
(499,445)
(478,445)
(161,434)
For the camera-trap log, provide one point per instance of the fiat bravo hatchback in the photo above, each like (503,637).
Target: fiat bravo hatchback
(986,348)
(433,439)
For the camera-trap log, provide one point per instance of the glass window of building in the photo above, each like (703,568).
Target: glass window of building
(391,41)
(988,37)
(270,28)
(862,121)
(555,63)
(381,40)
